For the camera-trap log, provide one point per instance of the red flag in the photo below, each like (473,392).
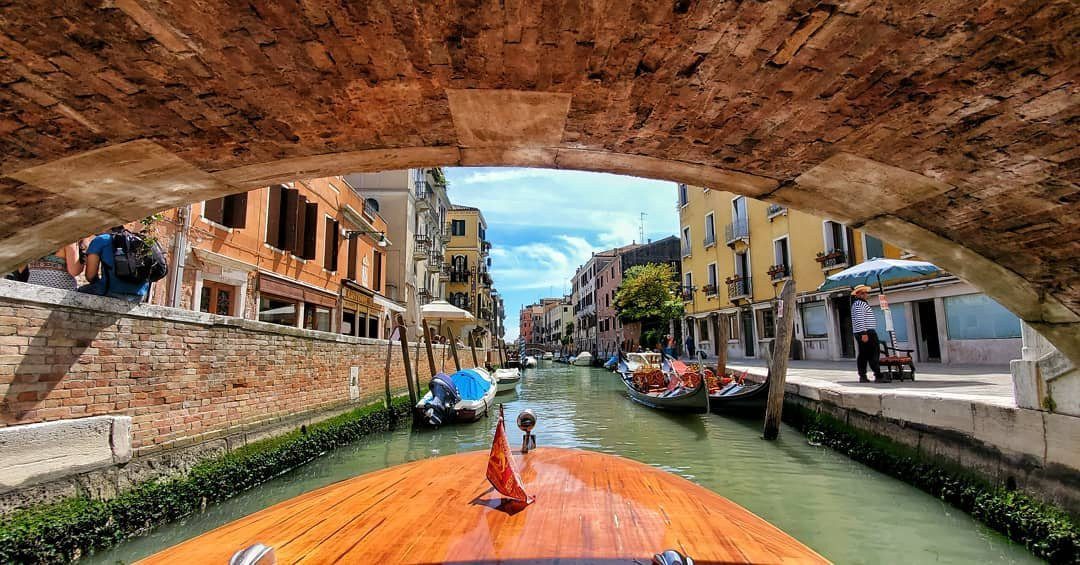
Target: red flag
(500,471)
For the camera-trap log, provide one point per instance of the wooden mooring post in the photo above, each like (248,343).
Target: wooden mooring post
(430,353)
(453,348)
(403,334)
(720,329)
(785,328)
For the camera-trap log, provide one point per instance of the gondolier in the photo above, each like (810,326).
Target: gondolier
(863,325)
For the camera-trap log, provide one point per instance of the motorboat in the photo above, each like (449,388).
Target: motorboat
(506,379)
(547,356)
(443,510)
(461,397)
(530,361)
(583,359)
(637,360)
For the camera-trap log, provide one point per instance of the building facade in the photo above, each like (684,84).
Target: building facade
(737,251)
(610,328)
(415,203)
(308,254)
(468,268)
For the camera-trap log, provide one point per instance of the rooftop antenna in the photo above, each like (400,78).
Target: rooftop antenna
(641,228)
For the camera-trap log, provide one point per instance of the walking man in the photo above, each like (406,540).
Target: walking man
(863,324)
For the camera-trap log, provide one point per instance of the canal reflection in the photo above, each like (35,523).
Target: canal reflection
(846,511)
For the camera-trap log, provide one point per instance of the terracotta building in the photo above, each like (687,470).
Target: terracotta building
(309,254)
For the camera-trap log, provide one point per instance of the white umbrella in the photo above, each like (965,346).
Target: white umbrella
(443,311)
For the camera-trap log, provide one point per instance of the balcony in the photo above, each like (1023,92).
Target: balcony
(485,247)
(779,272)
(422,247)
(424,195)
(485,277)
(738,287)
(832,259)
(710,239)
(709,289)
(736,231)
(424,296)
(686,250)
(457,275)
(775,210)
(434,263)
(687,293)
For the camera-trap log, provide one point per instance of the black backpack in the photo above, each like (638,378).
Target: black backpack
(135,260)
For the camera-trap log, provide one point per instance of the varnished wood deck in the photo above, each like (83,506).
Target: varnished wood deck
(589,507)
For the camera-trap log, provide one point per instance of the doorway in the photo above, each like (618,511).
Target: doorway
(926,331)
(746,320)
(842,307)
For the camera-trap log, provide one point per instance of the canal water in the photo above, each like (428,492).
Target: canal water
(845,511)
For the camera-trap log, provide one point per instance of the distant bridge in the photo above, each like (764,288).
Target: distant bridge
(540,347)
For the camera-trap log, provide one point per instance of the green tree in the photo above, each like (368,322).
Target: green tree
(649,294)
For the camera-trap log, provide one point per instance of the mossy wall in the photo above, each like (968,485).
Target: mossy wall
(64,531)
(1048,532)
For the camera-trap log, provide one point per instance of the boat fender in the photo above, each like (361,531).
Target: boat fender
(671,557)
(257,554)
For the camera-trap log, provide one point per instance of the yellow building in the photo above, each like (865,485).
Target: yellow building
(469,284)
(736,252)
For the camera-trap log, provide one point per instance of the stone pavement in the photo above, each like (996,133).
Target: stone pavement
(990,384)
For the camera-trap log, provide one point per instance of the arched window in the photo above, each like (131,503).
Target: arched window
(372,204)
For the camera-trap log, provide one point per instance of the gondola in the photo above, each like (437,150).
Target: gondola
(680,399)
(734,398)
(749,400)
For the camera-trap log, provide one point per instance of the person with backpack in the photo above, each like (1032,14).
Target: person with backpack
(122,264)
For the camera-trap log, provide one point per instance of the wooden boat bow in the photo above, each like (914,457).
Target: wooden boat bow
(589,507)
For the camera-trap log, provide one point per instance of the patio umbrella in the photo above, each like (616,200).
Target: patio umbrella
(882,271)
(443,311)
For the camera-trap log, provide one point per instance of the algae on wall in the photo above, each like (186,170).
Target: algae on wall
(64,531)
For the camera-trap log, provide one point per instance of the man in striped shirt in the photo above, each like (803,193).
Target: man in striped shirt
(863,325)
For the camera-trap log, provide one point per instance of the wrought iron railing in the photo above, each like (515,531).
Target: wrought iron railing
(832,259)
(687,293)
(739,229)
(775,210)
(686,250)
(738,287)
(709,289)
(710,239)
(777,272)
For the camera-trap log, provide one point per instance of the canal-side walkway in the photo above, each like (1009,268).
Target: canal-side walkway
(991,384)
(962,414)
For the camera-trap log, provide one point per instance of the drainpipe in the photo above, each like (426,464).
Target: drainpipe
(179,248)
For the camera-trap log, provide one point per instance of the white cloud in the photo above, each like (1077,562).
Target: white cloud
(504,175)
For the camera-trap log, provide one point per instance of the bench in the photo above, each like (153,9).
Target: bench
(893,362)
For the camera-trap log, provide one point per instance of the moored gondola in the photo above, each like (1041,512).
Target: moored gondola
(674,397)
(747,399)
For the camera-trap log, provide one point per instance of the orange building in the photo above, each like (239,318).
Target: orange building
(309,254)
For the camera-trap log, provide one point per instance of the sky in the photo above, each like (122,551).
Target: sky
(544,223)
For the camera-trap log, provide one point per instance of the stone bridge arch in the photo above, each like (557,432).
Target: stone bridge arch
(948,128)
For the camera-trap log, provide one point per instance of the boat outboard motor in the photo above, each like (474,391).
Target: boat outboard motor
(444,396)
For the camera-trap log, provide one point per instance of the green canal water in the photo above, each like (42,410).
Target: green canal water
(845,511)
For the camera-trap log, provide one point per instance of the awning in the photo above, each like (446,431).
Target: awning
(388,304)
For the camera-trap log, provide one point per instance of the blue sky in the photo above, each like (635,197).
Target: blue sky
(544,223)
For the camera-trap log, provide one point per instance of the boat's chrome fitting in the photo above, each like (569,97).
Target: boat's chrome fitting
(257,554)
(671,557)
(526,421)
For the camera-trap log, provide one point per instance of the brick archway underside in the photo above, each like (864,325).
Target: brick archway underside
(949,128)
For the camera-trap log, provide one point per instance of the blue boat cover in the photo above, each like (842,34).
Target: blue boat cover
(611,362)
(470,385)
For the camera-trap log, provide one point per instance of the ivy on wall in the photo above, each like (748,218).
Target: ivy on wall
(64,531)
(1047,532)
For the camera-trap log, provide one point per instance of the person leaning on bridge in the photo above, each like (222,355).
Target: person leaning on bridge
(100,271)
(863,324)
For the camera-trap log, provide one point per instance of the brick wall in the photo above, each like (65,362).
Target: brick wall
(181,376)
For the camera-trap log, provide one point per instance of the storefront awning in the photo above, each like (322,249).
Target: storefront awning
(388,304)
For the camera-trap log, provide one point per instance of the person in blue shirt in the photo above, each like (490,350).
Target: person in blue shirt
(99,271)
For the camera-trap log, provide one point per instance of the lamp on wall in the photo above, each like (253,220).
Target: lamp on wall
(380,237)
